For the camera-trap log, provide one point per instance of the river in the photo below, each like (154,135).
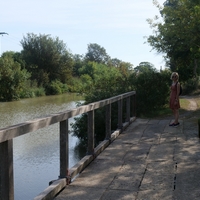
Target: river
(36,155)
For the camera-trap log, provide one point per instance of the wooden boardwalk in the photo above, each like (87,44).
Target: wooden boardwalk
(148,161)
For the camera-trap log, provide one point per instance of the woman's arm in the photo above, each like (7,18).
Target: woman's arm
(178,91)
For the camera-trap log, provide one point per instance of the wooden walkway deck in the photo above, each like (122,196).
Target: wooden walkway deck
(148,161)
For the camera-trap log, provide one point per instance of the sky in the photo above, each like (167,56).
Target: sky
(119,26)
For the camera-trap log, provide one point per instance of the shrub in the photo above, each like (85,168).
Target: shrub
(56,87)
(107,82)
(12,78)
(190,85)
(152,90)
(75,85)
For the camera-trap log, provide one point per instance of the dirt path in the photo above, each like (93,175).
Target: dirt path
(192,110)
(193,104)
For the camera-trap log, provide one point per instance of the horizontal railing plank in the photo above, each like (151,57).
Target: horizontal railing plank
(80,166)
(11,132)
(8,133)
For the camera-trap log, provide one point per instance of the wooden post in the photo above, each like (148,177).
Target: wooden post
(6,171)
(64,153)
(128,109)
(90,150)
(108,122)
(120,107)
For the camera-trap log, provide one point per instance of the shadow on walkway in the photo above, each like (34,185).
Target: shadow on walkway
(148,161)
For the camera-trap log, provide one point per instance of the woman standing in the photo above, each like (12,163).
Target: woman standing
(174,98)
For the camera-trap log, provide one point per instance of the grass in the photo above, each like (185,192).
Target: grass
(198,102)
(166,111)
(184,103)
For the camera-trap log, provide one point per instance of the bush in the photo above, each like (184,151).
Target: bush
(39,91)
(75,85)
(107,82)
(12,79)
(56,87)
(190,85)
(152,90)
(31,90)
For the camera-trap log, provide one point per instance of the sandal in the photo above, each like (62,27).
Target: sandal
(176,124)
(171,124)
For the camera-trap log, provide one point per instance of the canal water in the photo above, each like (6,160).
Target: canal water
(36,155)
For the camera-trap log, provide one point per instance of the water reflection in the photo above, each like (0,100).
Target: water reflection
(36,155)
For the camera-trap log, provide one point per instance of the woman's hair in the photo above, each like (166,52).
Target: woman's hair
(175,74)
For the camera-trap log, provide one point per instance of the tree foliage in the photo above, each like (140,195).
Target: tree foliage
(144,67)
(12,78)
(177,35)
(152,89)
(78,62)
(96,53)
(104,82)
(47,58)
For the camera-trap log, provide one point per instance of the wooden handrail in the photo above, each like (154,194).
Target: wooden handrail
(7,134)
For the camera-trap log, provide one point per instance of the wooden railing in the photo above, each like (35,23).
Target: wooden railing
(7,134)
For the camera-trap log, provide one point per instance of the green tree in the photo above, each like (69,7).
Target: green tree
(17,57)
(96,53)
(177,35)
(144,67)
(114,62)
(104,82)
(47,58)
(87,83)
(77,64)
(89,68)
(12,78)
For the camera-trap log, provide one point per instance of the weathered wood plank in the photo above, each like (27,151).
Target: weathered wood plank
(8,133)
(64,149)
(80,166)
(6,171)
(90,149)
(11,132)
(52,190)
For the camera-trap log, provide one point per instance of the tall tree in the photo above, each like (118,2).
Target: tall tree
(96,53)
(177,35)
(144,67)
(77,64)
(47,58)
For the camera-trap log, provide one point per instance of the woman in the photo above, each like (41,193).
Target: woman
(174,98)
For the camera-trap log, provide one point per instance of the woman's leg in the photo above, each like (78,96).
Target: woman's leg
(176,115)
(173,111)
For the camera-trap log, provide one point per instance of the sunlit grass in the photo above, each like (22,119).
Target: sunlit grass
(198,102)
(184,103)
(166,111)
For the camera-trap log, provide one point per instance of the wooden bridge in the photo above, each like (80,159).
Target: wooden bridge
(149,161)
(145,159)
(7,134)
